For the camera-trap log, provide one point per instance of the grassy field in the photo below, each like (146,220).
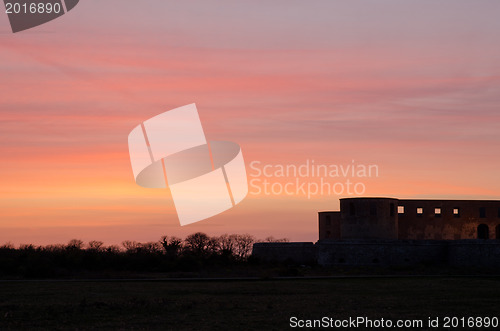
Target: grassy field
(240,305)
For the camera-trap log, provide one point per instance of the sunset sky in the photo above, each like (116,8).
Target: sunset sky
(410,86)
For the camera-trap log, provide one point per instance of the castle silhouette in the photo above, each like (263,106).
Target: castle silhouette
(390,231)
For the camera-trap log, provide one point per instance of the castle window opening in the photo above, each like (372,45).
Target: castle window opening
(483,232)
(482,212)
(456,212)
(437,212)
(401,209)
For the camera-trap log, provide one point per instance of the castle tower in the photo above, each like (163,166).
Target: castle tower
(369,218)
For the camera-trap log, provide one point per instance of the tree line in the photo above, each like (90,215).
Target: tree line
(195,252)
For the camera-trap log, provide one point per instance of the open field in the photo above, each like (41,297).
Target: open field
(242,305)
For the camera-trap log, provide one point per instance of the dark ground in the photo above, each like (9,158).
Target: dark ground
(238,304)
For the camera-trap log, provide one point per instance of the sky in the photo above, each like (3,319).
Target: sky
(412,87)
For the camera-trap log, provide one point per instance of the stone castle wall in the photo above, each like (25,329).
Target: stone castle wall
(387,219)
(384,252)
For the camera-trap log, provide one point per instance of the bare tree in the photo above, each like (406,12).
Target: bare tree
(244,244)
(271,239)
(227,243)
(150,247)
(75,244)
(114,249)
(53,248)
(7,245)
(96,246)
(130,246)
(172,246)
(137,247)
(27,247)
(198,243)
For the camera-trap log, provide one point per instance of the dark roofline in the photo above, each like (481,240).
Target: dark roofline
(443,200)
(377,198)
(449,200)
